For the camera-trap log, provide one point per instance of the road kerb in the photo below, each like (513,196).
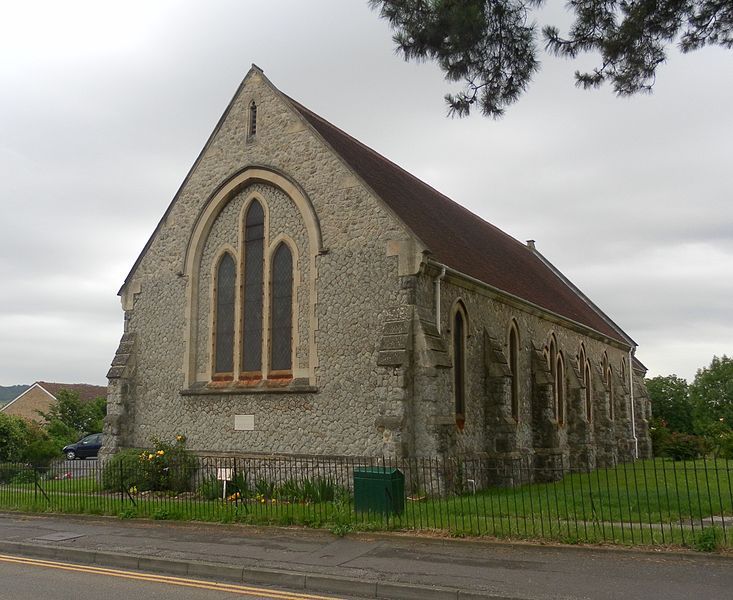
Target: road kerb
(286,579)
(332,584)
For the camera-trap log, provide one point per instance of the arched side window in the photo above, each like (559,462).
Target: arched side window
(459,366)
(581,363)
(224,294)
(611,399)
(252,119)
(588,391)
(281,312)
(560,389)
(254,249)
(514,367)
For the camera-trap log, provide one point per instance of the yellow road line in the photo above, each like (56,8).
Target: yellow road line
(180,581)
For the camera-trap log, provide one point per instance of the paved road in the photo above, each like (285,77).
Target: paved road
(31,579)
(518,571)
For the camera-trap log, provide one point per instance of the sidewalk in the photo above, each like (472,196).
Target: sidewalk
(369,565)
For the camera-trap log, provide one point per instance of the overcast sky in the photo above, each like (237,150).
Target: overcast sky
(104,107)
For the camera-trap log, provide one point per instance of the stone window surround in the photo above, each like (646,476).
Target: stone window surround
(607,371)
(560,386)
(460,371)
(584,368)
(252,121)
(303,376)
(513,351)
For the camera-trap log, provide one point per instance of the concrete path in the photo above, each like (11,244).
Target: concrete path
(370,565)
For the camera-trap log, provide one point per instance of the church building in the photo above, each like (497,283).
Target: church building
(303,295)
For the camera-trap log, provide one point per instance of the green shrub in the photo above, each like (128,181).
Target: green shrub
(8,471)
(724,446)
(681,446)
(27,475)
(264,489)
(211,488)
(659,434)
(123,471)
(319,489)
(240,484)
(13,438)
(166,467)
(708,539)
(42,450)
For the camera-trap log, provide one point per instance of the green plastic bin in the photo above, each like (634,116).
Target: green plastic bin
(379,490)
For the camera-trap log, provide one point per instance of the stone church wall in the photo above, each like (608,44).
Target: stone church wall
(356,284)
(490,428)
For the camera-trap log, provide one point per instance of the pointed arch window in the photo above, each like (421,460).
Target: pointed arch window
(281,312)
(560,389)
(588,392)
(514,367)
(585,380)
(459,367)
(224,294)
(254,247)
(611,399)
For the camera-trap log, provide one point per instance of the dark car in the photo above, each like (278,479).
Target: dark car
(86,447)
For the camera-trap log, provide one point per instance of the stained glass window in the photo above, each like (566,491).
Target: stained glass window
(282,310)
(226,278)
(254,245)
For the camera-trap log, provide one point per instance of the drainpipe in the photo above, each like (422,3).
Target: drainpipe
(633,416)
(436,284)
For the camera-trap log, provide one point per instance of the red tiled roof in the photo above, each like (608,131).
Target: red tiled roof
(86,391)
(458,238)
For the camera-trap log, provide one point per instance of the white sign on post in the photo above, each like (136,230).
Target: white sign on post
(224,474)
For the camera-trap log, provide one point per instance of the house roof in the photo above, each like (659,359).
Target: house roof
(462,240)
(86,391)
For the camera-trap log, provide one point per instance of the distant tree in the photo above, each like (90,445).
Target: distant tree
(13,438)
(490,45)
(671,402)
(69,417)
(712,394)
(23,441)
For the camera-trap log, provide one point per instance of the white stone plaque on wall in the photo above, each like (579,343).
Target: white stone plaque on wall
(244,422)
